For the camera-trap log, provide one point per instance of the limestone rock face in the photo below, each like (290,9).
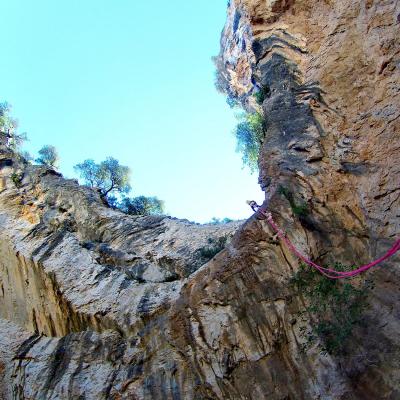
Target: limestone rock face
(96,304)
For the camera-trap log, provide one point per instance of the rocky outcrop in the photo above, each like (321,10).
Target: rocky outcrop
(66,254)
(101,305)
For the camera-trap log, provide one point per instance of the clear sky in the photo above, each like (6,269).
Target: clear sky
(133,80)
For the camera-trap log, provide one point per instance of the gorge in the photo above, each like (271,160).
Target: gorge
(96,304)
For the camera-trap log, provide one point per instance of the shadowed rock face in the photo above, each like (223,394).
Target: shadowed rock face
(100,305)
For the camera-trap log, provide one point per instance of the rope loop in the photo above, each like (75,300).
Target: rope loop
(328,272)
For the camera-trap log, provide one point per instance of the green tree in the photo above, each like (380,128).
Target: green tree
(249,135)
(109,176)
(218,221)
(142,205)
(89,172)
(8,129)
(48,155)
(262,93)
(26,156)
(114,177)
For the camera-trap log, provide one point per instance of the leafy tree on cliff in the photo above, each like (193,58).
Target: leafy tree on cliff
(113,181)
(8,129)
(26,156)
(109,176)
(48,155)
(221,82)
(89,172)
(249,131)
(218,221)
(249,135)
(142,205)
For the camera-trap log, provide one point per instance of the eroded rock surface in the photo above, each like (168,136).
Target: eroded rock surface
(100,305)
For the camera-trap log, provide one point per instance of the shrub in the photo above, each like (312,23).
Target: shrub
(334,307)
(141,205)
(218,221)
(48,155)
(262,94)
(301,210)
(17,178)
(213,247)
(249,135)
(298,209)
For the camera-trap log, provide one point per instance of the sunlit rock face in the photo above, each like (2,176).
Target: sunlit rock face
(331,72)
(100,305)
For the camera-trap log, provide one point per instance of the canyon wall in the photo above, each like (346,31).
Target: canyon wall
(96,304)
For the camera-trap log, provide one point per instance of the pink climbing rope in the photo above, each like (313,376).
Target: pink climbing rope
(328,272)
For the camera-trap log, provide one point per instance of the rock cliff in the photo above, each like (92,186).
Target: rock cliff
(96,304)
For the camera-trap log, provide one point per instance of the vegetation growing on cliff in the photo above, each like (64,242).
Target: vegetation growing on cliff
(112,179)
(219,221)
(8,128)
(13,140)
(213,247)
(48,155)
(141,205)
(221,82)
(334,307)
(262,94)
(249,134)
(300,209)
(108,176)
(17,177)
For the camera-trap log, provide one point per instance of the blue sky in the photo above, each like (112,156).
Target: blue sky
(132,80)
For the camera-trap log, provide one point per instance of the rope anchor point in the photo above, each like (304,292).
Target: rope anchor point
(328,272)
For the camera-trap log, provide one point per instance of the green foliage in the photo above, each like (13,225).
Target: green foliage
(8,129)
(249,132)
(109,176)
(7,124)
(113,201)
(232,101)
(25,156)
(249,135)
(284,191)
(213,247)
(221,82)
(218,221)
(48,155)
(141,205)
(113,181)
(89,172)
(114,177)
(334,307)
(17,179)
(299,209)
(261,95)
